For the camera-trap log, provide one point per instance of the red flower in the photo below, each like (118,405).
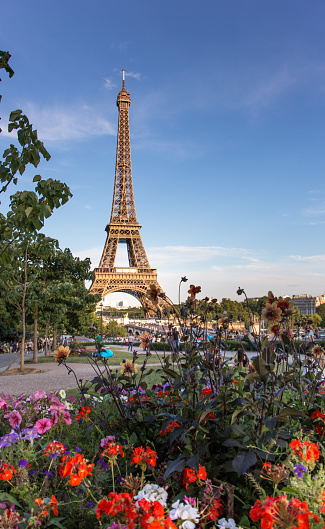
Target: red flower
(55,448)
(170,428)
(76,467)
(284,305)
(112,451)
(280,512)
(144,457)
(305,450)
(215,510)
(120,506)
(85,410)
(6,471)
(190,476)
(194,290)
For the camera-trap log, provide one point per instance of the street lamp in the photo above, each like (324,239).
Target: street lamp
(101,321)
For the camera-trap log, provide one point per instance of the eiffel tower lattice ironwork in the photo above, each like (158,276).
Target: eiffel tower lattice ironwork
(123,226)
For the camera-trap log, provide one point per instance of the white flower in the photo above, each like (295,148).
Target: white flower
(224,524)
(69,406)
(185,511)
(152,492)
(62,394)
(87,396)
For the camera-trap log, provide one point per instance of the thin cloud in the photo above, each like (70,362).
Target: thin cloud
(270,89)
(313,212)
(135,75)
(109,84)
(187,254)
(64,124)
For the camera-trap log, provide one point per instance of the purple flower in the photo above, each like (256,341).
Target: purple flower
(47,473)
(106,440)
(77,449)
(32,472)
(23,463)
(90,504)
(29,434)
(102,464)
(8,439)
(299,470)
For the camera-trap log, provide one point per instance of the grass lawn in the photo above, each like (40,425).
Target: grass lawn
(118,357)
(153,378)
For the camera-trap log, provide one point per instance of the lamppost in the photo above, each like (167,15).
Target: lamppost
(101,321)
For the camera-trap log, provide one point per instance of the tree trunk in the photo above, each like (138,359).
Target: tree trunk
(35,337)
(23,315)
(46,337)
(55,335)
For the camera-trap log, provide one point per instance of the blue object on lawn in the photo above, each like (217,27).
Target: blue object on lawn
(106,353)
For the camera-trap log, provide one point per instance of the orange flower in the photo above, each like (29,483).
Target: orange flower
(279,512)
(305,450)
(215,510)
(170,428)
(119,505)
(272,313)
(190,476)
(194,290)
(144,457)
(112,451)
(55,448)
(145,340)
(85,410)
(61,353)
(76,467)
(6,471)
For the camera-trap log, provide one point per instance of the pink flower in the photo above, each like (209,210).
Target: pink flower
(54,419)
(58,407)
(66,418)
(14,419)
(38,395)
(42,425)
(3,404)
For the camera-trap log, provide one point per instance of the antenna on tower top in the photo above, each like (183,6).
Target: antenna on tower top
(123,78)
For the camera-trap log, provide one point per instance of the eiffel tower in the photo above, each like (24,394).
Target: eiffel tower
(123,227)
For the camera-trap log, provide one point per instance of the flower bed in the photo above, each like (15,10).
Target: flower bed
(215,445)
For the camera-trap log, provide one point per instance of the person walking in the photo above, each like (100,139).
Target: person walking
(130,342)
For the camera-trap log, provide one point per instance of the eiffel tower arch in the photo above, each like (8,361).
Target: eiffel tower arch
(123,226)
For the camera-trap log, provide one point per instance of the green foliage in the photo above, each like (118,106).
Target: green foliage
(320,311)
(28,209)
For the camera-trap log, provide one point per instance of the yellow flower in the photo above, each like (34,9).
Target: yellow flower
(145,340)
(61,353)
(129,368)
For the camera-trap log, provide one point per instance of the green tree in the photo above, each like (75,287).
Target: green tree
(27,209)
(321,312)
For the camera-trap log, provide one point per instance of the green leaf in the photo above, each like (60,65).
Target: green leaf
(193,462)
(243,461)
(291,412)
(175,465)
(15,114)
(37,178)
(56,521)
(4,496)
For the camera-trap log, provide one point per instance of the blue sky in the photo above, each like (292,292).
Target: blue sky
(227,131)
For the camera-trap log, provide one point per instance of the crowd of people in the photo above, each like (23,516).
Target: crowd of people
(13,346)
